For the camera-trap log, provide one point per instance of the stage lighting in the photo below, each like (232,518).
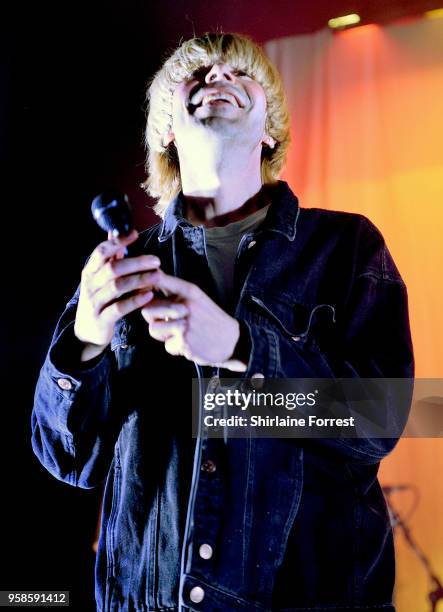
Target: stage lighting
(435,14)
(344,21)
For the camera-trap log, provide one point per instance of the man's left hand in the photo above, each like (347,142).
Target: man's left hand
(191,324)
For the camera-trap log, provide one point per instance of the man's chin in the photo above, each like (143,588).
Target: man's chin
(222,124)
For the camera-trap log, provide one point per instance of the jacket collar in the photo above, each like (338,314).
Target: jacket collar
(281,218)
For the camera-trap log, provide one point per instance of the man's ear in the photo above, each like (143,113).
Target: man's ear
(168,138)
(268,140)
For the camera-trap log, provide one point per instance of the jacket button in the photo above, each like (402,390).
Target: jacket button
(208,466)
(257,380)
(205,551)
(252,243)
(196,595)
(65,384)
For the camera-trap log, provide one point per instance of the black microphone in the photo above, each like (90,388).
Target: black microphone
(112,212)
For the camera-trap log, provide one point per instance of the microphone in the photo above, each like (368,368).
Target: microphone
(112,212)
(395,489)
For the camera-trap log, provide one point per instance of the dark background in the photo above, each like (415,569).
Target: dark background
(72,83)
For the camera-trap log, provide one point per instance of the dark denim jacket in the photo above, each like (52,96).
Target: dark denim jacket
(292,524)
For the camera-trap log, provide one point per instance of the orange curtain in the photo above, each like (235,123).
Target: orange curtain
(367,137)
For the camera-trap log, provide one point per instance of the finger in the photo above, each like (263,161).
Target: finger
(162,309)
(105,250)
(115,311)
(122,252)
(117,287)
(174,345)
(163,330)
(172,285)
(113,268)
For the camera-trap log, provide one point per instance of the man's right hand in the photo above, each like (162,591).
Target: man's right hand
(111,287)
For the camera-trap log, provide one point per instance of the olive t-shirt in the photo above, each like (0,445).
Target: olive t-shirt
(221,247)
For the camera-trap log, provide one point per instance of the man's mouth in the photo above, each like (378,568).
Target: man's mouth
(217,97)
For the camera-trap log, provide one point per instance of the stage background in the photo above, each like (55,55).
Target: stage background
(367,137)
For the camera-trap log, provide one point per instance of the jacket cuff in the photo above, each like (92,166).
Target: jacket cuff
(64,360)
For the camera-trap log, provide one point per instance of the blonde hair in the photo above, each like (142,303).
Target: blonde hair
(241,53)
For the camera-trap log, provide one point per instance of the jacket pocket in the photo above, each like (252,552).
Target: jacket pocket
(305,334)
(297,321)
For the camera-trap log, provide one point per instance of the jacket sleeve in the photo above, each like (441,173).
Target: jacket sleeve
(73,431)
(370,338)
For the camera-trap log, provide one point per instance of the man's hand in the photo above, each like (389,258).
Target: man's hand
(191,324)
(111,287)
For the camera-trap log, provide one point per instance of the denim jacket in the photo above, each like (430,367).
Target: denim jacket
(237,524)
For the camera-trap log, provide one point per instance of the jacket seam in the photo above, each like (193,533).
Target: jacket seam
(229,594)
(360,452)
(386,279)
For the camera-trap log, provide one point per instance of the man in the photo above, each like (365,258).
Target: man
(235,278)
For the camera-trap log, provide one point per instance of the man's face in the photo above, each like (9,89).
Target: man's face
(220,102)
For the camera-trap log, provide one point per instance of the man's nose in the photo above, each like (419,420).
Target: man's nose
(219,72)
